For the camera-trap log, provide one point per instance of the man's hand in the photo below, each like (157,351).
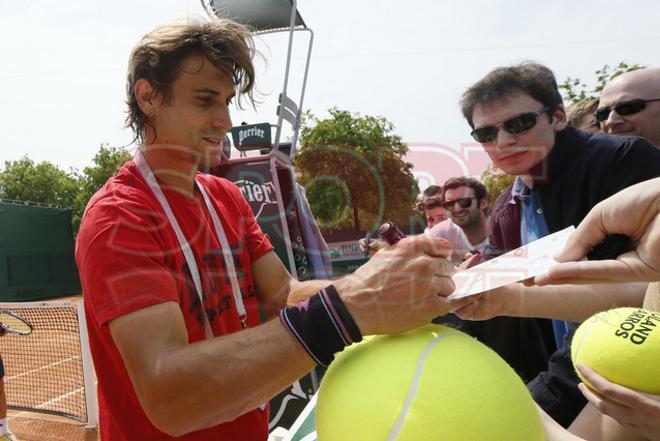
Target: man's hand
(636,411)
(375,245)
(633,212)
(488,304)
(402,286)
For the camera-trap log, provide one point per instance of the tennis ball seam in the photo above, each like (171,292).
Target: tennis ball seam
(414,386)
(585,335)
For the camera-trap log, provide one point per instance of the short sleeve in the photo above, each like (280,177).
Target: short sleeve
(121,260)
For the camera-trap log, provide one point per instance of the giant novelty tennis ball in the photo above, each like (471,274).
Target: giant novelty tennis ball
(623,346)
(431,383)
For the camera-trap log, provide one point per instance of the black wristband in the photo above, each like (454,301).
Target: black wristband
(322,325)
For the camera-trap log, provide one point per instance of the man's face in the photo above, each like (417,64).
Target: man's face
(645,123)
(435,215)
(194,121)
(464,216)
(517,153)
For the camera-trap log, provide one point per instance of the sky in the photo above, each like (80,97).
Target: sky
(62,82)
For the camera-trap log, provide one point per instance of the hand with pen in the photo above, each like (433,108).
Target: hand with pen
(402,286)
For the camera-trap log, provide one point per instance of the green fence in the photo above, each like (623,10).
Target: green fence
(36,253)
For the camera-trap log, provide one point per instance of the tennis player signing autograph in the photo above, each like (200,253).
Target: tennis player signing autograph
(174,266)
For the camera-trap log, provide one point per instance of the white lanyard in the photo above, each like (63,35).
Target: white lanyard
(149,177)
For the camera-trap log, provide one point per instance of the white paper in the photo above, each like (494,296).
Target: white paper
(522,263)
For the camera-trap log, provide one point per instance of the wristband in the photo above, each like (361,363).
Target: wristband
(322,325)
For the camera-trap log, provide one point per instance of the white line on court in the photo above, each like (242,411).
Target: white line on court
(22,374)
(60,398)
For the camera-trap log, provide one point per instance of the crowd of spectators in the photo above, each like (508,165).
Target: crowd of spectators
(565,162)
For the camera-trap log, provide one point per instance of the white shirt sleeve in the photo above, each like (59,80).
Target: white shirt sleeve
(454,234)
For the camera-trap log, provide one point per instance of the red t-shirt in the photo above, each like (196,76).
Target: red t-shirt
(129,259)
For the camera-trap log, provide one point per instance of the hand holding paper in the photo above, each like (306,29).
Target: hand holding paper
(522,263)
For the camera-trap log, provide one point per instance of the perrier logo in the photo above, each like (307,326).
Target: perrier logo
(251,136)
(258,194)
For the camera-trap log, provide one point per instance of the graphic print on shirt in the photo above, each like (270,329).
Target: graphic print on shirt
(216,284)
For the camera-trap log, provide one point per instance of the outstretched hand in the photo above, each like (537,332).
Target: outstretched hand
(488,304)
(634,212)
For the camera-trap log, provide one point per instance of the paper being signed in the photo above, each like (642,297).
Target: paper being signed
(522,263)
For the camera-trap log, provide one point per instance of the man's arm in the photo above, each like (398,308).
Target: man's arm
(185,387)
(563,302)
(553,431)
(276,287)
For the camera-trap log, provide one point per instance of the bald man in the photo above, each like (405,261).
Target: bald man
(630,105)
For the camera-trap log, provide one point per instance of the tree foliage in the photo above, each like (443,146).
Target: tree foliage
(107,162)
(574,89)
(352,169)
(496,181)
(46,183)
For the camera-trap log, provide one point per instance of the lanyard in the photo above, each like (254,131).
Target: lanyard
(149,177)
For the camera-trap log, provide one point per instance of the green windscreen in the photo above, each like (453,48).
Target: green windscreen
(36,253)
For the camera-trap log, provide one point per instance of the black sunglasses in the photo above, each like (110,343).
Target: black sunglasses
(624,108)
(517,124)
(462,202)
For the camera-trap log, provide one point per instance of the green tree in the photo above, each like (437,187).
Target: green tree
(46,183)
(107,162)
(574,89)
(496,181)
(353,171)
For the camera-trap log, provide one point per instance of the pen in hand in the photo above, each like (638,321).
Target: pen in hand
(390,233)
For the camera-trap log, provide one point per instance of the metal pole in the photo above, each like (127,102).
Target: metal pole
(292,25)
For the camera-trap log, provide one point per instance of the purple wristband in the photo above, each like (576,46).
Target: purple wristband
(322,325)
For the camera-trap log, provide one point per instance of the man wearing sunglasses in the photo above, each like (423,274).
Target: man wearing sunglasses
(466,200)
(432,206)
(630,105)
(517,115)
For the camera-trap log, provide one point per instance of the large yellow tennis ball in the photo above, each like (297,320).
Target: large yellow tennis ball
(623,346)
(432,383)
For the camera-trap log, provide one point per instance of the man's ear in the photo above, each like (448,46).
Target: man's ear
(559,119)
(147,97)
(483,204)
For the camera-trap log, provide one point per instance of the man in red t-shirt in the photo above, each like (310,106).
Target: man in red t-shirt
(175,270)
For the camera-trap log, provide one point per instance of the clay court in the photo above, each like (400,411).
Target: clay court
(45,374)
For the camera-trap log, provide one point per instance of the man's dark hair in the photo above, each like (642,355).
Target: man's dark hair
(533,79)
(432,190)
(479,188)
(158,56)
(431,197)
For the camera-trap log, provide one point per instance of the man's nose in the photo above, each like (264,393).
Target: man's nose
(612,120)
(222,118)
(504,140)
